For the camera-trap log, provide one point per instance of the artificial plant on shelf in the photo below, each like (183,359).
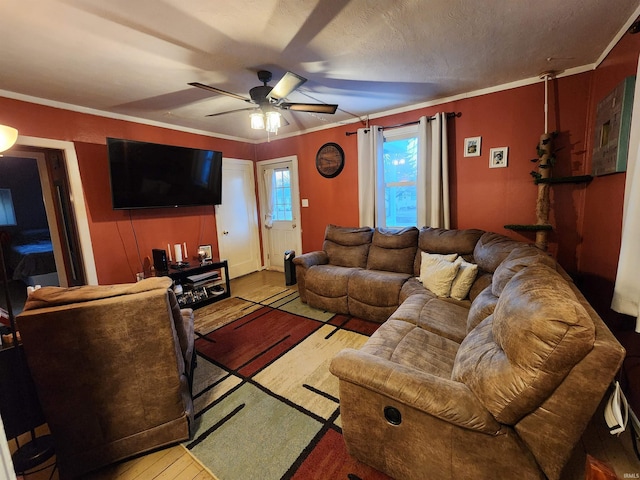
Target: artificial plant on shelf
(546,160)
(546,157)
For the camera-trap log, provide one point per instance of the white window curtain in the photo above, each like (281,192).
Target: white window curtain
(270,188)
(370,142)
(433,171)
(626,295)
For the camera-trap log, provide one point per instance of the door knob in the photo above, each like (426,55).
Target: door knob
(293,225)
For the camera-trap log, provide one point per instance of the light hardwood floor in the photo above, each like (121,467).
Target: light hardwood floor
(177,462)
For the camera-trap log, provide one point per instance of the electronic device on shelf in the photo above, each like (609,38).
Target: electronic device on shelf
(179,265)
(160,260)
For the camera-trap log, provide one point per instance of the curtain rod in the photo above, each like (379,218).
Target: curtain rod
(449,115)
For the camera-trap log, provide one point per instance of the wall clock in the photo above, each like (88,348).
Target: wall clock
(330,160)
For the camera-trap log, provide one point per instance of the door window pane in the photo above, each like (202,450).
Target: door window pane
(282,196)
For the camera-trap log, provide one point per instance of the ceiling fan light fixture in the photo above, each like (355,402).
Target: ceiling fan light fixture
(257,121)
(273,121)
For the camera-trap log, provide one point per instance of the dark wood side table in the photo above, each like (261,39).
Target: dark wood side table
(200,293)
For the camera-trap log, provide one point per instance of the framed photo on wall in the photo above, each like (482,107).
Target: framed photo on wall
(472,146)
(498,157)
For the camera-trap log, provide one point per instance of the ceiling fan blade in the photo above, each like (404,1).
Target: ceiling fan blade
(310,107)
(286,85)
(232,111)
(217,90)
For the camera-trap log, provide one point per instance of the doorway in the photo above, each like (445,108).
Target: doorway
(279,209)
(42,247)
(237,218)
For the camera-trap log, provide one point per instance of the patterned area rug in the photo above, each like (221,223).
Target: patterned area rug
(266,403)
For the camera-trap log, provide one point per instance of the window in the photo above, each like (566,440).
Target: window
(397,192)
(282,195)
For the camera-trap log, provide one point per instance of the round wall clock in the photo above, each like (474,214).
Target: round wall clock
(330,160)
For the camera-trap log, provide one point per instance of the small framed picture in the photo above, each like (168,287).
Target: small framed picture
(498,157)
(472,146)
(204,252)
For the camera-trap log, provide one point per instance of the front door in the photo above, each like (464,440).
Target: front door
(280,211)
(237,218)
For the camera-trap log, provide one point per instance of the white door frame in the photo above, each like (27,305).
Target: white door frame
(77,198)
(295,202)
(220,228)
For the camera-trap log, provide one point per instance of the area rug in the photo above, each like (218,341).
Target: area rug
(266,405)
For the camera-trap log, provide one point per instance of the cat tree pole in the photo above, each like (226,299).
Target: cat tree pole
(544,169)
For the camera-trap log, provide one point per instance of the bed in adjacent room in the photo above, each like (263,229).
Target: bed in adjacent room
(31,259)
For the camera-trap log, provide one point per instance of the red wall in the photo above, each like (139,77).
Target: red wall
(122,239)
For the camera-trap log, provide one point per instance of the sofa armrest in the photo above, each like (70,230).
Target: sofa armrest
(303,263)
(310,259)
(440,397)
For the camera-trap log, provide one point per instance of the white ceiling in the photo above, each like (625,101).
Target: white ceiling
(134,58)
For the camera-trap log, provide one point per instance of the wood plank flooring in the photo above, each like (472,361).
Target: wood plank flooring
(173,463)
(177,462)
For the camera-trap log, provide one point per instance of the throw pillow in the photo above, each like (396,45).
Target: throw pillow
(464,279)
(427,259)
(437,274)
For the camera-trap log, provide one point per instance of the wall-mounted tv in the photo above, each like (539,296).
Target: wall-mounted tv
(150,175)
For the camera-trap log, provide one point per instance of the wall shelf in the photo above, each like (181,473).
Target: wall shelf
(529,228)
(572,179)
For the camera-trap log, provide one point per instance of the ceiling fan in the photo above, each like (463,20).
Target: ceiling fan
(264,96)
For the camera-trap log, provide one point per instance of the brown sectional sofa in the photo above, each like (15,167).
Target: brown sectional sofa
(500,384)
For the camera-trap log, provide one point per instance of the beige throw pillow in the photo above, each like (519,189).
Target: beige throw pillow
(438,271)
(464,279)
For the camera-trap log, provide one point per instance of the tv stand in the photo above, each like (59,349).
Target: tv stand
(198,288)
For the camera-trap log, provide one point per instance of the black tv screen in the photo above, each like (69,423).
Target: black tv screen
(150,175)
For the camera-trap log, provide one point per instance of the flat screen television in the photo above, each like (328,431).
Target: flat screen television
(151,175)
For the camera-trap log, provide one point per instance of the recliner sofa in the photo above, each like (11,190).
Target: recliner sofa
(112,366)
(499,384)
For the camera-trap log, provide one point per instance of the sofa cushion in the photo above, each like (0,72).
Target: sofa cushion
(393,250)
(481,307)
(437,273)
(346,246)
(444,318)
(516,357)
(405,344)
(464,280)
(374,287)
(441,240)
(329,280)
(482,281)
(434,314)
(517,259)
(492,249)
(326,287)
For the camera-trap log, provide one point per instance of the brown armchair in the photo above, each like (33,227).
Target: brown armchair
(112,367)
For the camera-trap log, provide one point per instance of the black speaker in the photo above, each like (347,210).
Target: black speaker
(289,268)
(160,260)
